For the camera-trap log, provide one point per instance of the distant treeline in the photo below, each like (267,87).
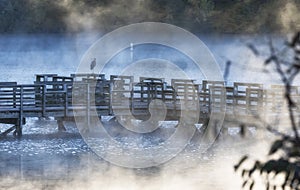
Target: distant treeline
(226,16)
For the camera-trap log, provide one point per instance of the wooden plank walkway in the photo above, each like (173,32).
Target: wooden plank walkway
(53,96)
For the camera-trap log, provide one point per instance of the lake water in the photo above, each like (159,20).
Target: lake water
(46,159)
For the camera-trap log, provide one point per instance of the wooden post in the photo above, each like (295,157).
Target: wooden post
(20,121)
(148,94)
(111,89)
(174,100)
(163,94)
(132,99)
(88,107)
(142,92)
(44,101)
(60,124)
(14,97)
(66,100)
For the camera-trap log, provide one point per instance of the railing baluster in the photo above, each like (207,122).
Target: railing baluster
(66,99)
(44,101)
(20,122)
(88,106)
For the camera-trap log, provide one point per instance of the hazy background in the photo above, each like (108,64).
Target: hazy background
(234,16)
(50,36)
(24,55)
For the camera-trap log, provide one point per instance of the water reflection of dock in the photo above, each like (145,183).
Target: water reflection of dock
(91,95)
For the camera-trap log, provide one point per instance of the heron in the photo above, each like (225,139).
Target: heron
(93,65)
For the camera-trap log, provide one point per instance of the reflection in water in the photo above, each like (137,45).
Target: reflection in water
(63,161)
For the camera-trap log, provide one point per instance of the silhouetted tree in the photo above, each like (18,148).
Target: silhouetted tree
(284,153)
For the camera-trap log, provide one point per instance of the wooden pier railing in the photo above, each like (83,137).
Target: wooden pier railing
(53,96)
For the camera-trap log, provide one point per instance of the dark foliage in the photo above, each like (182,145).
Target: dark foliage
(233,16)
(287,147)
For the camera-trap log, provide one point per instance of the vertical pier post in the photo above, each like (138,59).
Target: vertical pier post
(14,97)
(44,101)
(88,107)
(111,89)
(19,125)
(66,100)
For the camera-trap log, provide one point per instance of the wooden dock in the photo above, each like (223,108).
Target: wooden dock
(60,96)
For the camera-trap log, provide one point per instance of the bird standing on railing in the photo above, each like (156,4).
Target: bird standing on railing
(93,65)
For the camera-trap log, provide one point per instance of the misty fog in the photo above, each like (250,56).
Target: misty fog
(23,56)
(52,36)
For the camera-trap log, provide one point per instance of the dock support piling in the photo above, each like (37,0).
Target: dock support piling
(60,125)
